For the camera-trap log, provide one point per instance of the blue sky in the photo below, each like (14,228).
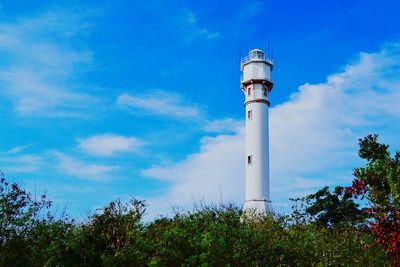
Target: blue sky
(107,99)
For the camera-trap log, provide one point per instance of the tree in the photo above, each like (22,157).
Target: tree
(19,214)
(331,209)
(379,184)
(113,237)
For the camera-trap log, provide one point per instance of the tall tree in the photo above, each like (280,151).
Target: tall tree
(379,183)
(331,209)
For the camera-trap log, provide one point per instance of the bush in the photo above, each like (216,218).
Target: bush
(208,236)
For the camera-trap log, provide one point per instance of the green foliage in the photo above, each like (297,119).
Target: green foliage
(330,209)
(208,236)
(381,175)
(379,184)
(19,214)
(108,237)
(326,228)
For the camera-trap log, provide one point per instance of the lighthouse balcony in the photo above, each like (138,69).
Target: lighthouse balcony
(258,57)
(255,79)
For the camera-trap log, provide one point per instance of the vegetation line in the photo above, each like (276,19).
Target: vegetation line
(327,228)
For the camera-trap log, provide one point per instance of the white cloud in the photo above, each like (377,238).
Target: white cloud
(159,102)
(41,63)
(109,144)
(22,163)
(192,28)
(17,149)
(249,10)
(83,170)
(214,173)
(223,126)
(313,137)
(319,126)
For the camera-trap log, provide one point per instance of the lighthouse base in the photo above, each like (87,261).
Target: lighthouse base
(257,206)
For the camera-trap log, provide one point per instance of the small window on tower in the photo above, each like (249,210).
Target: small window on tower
(265,91)
(249,159)
(249,91)
(249,115)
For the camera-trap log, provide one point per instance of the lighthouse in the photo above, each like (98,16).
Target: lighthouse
(256,85)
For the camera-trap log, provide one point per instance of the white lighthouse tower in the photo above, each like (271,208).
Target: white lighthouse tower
(256,84)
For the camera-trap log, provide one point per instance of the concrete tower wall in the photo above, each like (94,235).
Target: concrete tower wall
(257,147)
